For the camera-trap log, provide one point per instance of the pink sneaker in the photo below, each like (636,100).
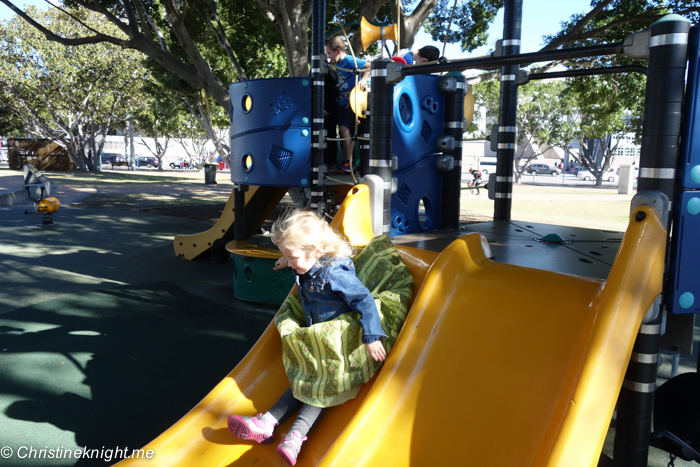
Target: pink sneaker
(291,445)
(255,428)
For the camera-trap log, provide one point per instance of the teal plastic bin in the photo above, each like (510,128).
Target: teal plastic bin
(254,280)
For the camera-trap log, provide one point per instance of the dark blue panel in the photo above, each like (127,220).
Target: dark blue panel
(419,182)
(684,287)
(270,132)
(689,165)
(278,157)
(419,115)
(274,102)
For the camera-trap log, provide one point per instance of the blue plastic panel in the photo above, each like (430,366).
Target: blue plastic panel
(685,256)
(271,132)
(420,182)
(689,165)
(419,116)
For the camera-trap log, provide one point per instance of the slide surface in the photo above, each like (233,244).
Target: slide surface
(488,370)
(259,202)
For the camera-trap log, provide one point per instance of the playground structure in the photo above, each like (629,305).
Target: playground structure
(575,353)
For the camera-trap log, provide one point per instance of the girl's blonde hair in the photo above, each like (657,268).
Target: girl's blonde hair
(305,230)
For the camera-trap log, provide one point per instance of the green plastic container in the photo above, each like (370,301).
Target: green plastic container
(253,277)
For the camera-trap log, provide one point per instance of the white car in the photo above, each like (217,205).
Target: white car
(587,176)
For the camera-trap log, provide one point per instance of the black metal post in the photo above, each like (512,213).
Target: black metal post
(659,153)
(319,67)
(453,87)
(507,115)
(381,124)
(364,143)
(239,232)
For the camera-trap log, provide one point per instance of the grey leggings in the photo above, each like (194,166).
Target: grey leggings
(287,405)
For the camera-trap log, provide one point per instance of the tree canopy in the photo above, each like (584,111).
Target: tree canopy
(67,94)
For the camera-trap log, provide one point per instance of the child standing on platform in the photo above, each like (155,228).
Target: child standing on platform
(335,48)
(328,287)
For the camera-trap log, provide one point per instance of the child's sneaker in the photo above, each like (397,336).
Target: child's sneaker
(290,447)
(255,428)
(344,169)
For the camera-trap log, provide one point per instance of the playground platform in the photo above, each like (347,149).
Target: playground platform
(108,339)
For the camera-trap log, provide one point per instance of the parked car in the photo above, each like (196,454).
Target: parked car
(114,159)
(584,174)
(181,163)
(536,169)
(146,161)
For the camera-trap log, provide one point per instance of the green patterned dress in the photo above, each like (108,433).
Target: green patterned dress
(327,363)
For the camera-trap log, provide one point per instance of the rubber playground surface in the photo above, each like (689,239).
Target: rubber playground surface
(107,338)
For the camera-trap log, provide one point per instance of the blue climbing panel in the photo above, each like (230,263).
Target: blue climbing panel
(271,132)
(419,116)
(415,207)
(689,163)
(685,255)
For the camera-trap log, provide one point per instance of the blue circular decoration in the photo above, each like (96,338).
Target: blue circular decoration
(305,82)
(305,121)
(304,132)
(693,206)
(406,109)
(304,181)
(695,174)
(245,85)
(247,179)
(686,300)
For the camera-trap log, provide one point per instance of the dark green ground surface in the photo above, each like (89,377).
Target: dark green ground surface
(106,338)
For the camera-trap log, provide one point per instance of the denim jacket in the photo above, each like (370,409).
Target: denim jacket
(331,288)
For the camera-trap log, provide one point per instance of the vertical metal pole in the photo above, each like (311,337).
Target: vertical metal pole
(364,143)
(659,153)
(452,86)
(239,228)
(319,68)
(381,122)
(512,20)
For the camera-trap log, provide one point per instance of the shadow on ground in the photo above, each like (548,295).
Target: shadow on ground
(114,367)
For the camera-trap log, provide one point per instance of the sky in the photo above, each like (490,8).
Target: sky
(540,17)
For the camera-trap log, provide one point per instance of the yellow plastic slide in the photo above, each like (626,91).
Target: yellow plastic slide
(487,371)
(259,202)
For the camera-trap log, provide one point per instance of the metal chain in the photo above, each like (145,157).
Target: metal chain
(672,462)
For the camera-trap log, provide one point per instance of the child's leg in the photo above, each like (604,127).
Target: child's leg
(346,124)
(308,416)
(261,427)
(291,445)
(345,133)
(285,406)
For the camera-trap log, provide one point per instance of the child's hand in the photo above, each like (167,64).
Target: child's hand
(280,264)
(376,351)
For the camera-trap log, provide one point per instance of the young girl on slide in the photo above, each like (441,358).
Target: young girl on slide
(328,287)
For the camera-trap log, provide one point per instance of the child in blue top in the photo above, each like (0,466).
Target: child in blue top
(429,53)
(335,48)
(325,274)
